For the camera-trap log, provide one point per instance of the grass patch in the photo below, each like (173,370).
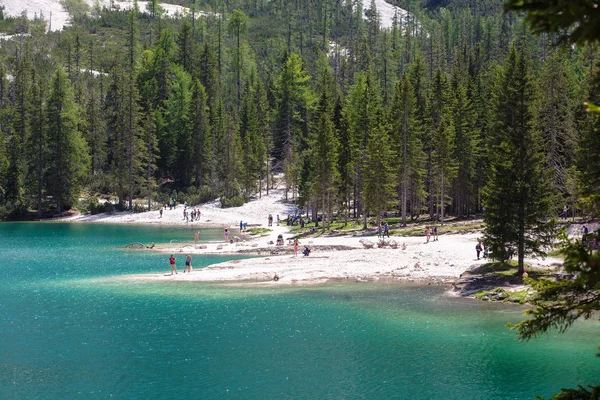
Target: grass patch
(499,294)
(259,231)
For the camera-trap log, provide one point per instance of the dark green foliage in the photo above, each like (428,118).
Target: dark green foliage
(577,20)
(517,200)
(67,149)
(221,101)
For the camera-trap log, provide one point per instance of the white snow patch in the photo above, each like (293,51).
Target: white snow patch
(386,13)
(57,17)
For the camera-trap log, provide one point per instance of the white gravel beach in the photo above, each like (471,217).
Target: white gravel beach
(334,257)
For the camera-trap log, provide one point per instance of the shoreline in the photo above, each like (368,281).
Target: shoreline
(343,256)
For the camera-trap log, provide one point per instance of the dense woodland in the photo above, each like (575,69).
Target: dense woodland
(456,108)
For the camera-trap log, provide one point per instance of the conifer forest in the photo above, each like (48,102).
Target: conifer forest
(455,108)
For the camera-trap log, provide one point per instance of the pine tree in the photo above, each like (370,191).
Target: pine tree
(36,145)
(199,131)
(588,154)
(238,24)
(67,148)
(346,156)
(556,118)
(249,137)
(363,113)
(517,196)
(378,173)
(407,145)
(324,150)
(294,98)
(467,144)
(151,128)
(16,168)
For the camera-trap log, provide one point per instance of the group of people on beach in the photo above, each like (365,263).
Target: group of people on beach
(193,215)
(479,248)
(188,264)
(431,231)
(383,231)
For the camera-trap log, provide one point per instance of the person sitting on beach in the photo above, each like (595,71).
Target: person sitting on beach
(280,240)
(306,251)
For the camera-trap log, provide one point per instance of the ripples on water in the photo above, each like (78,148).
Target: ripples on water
(68,333)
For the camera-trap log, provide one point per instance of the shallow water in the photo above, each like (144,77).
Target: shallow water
(68,332)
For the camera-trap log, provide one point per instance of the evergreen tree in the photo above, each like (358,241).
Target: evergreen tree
(466,143)
(67,148)
(405,134)
(378,173)
(16,169)
(36,146)
(199,131)
(346,156)
(238,24)
(152,121)
(324,151)
(556,118)
(517,197)
(294,98)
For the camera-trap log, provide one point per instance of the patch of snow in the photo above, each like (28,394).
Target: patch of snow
(57,17)
(93,72)
(9,37)
(386,13)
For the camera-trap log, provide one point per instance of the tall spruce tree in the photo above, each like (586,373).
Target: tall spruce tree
(67,148)
(407,145)
(324,151)
(294,98)
(518,199)
(378,173)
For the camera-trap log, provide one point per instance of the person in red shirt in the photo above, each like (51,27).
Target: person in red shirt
(172,262)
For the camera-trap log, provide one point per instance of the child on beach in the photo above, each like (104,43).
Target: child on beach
(226,235)
(427,234)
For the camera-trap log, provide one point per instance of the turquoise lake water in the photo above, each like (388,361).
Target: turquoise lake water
(69,328)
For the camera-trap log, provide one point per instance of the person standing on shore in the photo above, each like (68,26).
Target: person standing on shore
(188,263)
(478,248)
(435,233)
(386,229)
(172,263)
(296,247)
(226,235)
(427,234)
(196,237)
